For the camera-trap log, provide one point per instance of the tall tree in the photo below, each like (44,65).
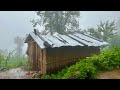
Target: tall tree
(62,22)
(118,25)
(19,41)
(104,31)
(114,41)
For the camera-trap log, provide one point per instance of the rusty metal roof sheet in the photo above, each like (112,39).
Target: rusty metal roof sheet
(67,40)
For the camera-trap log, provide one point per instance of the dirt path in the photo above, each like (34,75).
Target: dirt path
(114,74)
(17,73)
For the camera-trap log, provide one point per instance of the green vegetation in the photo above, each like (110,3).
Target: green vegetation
(114,41)
(88,68)
(12,62)
(104,31)
(62,22)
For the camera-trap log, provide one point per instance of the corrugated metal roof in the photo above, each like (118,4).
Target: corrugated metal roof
(38,40)
(70,41)
(67,40)
(92,39)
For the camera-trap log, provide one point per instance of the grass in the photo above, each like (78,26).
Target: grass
(13,62)
(16,63)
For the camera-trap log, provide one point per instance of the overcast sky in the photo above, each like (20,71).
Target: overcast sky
(14,23)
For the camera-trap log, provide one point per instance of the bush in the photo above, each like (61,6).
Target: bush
(81,71)
(45,77)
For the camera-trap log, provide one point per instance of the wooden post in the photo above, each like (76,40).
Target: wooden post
(44,61)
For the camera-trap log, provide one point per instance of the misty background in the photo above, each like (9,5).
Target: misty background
(17,23)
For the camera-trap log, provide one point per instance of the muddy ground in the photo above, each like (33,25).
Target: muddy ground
(19,73)
(113,74)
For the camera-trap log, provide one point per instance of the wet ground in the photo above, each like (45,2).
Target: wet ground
(113,74)
(17,73)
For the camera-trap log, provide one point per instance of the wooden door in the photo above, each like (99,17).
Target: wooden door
(34,56)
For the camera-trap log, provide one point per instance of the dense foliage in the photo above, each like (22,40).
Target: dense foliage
(114,41)
(62,22)
(104,31)
(88,68)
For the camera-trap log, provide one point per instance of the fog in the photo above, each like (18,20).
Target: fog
(92,18)
(12,24)
(17,23)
